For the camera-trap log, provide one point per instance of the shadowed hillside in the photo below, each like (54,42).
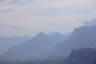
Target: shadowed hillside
(82,37)
(82,56)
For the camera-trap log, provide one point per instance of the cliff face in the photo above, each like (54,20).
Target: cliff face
(82,56)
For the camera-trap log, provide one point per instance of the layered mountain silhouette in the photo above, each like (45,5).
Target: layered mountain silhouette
(54,45)
(58,37)
(82,37)
(34,47)
(77,56)
(7,42)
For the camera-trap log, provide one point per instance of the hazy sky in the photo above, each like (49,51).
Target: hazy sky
(27,17)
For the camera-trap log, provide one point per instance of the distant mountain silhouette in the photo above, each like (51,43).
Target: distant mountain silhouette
(90,23)
(82,56)
(83,37)
(33,48)
(58,37)
(7,42)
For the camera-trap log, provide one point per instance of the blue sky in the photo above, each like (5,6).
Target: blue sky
(28,17)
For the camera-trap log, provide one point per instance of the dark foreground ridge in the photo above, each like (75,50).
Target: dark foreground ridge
(80,56)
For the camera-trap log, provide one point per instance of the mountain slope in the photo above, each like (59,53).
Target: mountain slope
(83,37)
(82,56)
(33,48)
(58,37)
(7,42)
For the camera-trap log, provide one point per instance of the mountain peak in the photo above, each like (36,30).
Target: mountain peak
(40,35)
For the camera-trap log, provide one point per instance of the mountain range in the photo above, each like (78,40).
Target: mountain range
(33,48)
(82,37)
(54,45)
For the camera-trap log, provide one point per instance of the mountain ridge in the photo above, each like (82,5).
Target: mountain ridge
(36,46)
